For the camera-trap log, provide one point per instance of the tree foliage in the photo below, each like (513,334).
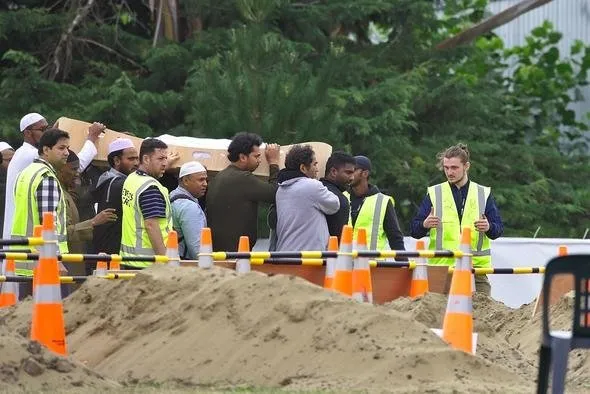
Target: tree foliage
(361,75)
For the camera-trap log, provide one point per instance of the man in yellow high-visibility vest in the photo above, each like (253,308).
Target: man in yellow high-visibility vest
(147,217)
(38,190)
(458,203)
(372,210)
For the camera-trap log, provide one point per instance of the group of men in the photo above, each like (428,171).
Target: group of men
(136,211)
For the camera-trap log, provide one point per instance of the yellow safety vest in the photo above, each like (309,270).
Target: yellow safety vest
(370,217)
(135,240)
(26,214)
(448,235)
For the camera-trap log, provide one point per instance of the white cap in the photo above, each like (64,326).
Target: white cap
(30,119)
(192,167)
(4,146)
(120,144)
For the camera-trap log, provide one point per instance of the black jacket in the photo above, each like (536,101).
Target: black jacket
(340,218)
(107,237)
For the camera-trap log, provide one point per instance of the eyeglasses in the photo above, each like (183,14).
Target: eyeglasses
(42,129)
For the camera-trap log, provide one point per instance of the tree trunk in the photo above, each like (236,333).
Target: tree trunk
(491,23)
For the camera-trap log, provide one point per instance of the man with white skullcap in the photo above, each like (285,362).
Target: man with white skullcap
(187,215)
(6,152)
(123,159)
(33,126)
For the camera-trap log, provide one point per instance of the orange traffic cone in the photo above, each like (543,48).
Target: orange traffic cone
(172,249)
(8,294)
(243,265)
(37,233)
(458,321)
(101,267)
(47,325)
(419,285)
(561,285)
(206,248)
(115,265)
(331,263)
(562,250)
(343,275)
(362,287)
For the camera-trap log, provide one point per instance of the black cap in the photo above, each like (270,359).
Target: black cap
(72,156)
(363,162)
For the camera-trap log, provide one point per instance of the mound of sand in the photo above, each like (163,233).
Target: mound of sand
(506,336)
(191,327)
(211,327)
(28,366)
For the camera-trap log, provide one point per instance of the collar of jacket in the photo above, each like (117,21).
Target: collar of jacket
(286,174)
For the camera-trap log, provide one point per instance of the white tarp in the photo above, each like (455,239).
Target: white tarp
(199,143)
(193,142)
(513,290)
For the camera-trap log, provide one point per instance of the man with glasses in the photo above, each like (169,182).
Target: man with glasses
(33,126)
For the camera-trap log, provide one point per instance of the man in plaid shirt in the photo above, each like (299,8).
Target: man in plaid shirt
(38,190)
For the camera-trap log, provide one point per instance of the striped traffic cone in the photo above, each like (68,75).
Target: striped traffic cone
(243,265)
(331,263)
(101,267)
(8,294)
(205,259)
(47,325)
(343,275)
(362,287)
(114,265)
(458,321)
(172,249)
(419,284)
(37,233)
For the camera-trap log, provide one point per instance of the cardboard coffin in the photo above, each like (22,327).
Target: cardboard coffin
(211,153)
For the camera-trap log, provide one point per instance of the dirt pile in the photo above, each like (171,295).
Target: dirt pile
(190,327)
(198,327)
(26,365)
(506,336)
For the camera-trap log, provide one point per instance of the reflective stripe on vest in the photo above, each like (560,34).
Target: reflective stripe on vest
(26,215)
(448,234)
(135,240)
(370,217)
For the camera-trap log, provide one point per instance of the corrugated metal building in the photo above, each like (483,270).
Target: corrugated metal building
(570,17)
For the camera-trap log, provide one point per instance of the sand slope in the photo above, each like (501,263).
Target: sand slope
(509,337)
(28,366)
(212,327)
(190,327)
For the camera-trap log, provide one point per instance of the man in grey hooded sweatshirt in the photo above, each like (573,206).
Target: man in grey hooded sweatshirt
(302,203)
(123,160)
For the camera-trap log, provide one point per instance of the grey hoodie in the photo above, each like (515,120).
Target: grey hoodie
(302,204)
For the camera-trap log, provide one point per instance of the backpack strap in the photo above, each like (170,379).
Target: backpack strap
(180,237)
(180,197)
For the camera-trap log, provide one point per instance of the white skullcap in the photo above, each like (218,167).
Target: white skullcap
(120,144)
(30,119)
(192,167)
(4,146)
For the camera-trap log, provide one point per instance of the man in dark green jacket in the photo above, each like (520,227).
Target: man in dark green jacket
(235,192)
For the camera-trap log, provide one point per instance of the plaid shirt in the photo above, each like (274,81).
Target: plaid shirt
(48,193)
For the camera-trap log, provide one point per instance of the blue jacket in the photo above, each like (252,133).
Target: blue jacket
(188,219)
